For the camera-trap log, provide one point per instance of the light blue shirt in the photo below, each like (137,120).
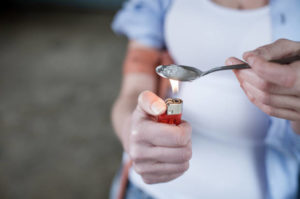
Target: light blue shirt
(143,21)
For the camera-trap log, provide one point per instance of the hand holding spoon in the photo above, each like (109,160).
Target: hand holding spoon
(188,73)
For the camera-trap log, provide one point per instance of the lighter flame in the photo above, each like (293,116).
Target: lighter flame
(174,85)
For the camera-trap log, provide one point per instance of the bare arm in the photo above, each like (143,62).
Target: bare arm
(135,80)
(159,152)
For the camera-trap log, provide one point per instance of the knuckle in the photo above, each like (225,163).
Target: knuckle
(265,98)
(138,127)
(183,167)
(182,157)
(135,154)
(148,180)
(284,43)
(136,134)
(186,155)
(298,117)
(260,68)
(289,81)
(269,110)
(264,85)
(281,41)
(183,136)
(259,51)
(257,63)
(190,154)
(263,51)
(187,127)
(250,96)
(186,166)
(139,169)
(188,131)
(181,140)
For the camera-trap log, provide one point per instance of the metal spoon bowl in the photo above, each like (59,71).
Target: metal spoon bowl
(188,73)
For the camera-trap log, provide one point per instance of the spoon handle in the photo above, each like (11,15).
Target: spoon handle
(245,66)
(230,67)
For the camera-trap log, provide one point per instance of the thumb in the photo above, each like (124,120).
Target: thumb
(150,103)
(233,61)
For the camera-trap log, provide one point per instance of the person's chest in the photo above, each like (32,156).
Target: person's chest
(202,34)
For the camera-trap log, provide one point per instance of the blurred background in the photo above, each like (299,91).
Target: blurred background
(60,70)
(60,67)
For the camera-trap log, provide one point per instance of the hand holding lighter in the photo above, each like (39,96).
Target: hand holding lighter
(173,112)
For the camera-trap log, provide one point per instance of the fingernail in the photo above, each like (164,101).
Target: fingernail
(228,62)
(248,54)
(158,107)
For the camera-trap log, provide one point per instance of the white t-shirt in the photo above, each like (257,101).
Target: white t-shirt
(228,131)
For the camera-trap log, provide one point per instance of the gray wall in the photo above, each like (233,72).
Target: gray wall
(103,4)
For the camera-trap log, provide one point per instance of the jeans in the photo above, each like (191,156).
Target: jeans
(132,191)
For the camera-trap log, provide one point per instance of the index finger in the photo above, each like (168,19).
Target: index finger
(283,75)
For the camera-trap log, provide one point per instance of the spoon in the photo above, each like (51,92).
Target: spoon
(188,73)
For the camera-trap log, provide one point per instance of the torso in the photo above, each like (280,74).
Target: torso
(228,131)
(242,4)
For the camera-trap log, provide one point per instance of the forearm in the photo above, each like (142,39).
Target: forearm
(127,101)
(121,117)
(138,75)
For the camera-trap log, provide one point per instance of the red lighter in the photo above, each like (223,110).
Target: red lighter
(173,112)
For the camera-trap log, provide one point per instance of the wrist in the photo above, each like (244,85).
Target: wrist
(122,129)
(296,126)
(125,135)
